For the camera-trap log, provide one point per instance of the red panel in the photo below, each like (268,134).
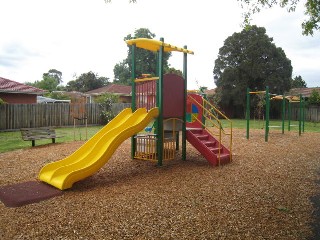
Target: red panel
(194,111)
(173,90)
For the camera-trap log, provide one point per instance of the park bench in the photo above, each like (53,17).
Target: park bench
(33,134)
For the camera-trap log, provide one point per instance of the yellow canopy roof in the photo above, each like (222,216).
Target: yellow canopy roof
(154,45)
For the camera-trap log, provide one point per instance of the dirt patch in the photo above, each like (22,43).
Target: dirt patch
(265,193)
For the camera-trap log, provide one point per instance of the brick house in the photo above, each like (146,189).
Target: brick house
(123,91)
(15,92)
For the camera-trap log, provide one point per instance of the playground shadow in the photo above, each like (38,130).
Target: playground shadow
(139,170)
(316,214)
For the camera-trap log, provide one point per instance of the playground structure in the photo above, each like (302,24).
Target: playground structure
(290,99)
(162,101)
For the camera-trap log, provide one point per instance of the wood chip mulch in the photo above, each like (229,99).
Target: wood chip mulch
(265,193)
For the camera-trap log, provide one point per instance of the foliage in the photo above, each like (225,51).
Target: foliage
(55,74)
(146,61)
(86,82)
(314,98)
(106,100)
(49,82)
(174,71)
(103,98)
(122,73)
(312,11)
(250,59)
(2,101)
(58,95)
(298,82)
(260,103)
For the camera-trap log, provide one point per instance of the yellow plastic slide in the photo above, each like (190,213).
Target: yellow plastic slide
(90,157)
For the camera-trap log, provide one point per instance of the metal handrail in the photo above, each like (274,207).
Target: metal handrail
(218,125)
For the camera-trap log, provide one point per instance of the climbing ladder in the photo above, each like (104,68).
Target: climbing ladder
(208,141)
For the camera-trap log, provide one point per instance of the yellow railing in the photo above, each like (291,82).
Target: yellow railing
(146,145)
(213,118)
(170,138)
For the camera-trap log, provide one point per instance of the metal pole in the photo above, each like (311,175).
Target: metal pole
(303,113)
(160,106)
(289,115)
(300,114)
(133,91)
(267,114)
(248,112)
(184,133)
(283,111)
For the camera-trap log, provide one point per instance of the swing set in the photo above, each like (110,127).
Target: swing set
(269,97)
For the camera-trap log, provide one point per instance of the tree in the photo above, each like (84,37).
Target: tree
(55,74)
(250,59)
(47,83)
(145,60)
(86,82)
(174,71)
(50,81)
(298,82)
(312,11)
(314,98)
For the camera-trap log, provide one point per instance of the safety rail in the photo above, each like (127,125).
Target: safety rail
(208,110)
(171,138)
(146,92)
(146,147)
(146,144)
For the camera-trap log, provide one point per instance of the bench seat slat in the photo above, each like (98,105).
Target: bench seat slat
(32,134)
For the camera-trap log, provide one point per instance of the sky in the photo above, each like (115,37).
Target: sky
(78,36)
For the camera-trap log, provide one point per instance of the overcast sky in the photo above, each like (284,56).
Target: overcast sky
(77,36)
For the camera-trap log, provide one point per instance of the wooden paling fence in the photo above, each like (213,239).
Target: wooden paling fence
(312,114)
(16,116)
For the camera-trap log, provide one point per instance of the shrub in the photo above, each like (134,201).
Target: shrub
(2,102)
(314,98)
(106,101)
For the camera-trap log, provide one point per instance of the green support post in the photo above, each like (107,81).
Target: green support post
(133,101)
(289,115)
(160,106)
(303,114)
(203,112)
(283,111)
(248,112)
(267,114)
(300,114)
(184,133)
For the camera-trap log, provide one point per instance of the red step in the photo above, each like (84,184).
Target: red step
(208,146)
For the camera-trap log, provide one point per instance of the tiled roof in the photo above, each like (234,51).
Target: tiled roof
(112,88)
(10,86)
(210,92)
(305,92)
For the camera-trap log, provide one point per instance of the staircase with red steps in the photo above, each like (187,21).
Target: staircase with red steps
(208,146)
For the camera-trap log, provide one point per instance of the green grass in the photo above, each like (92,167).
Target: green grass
(12,140)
